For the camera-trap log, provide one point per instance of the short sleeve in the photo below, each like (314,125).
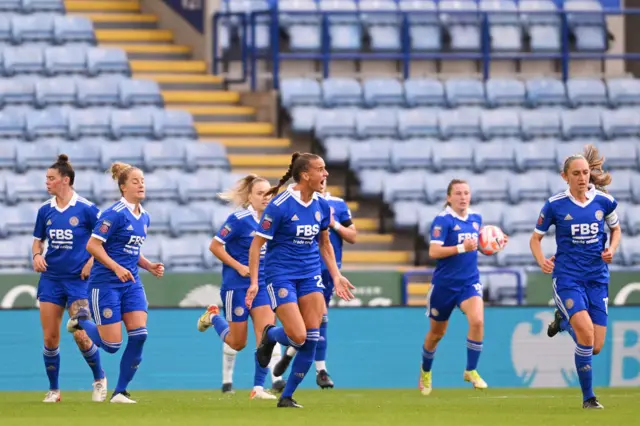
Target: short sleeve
(270,221)
(93,213)
(40,228)
(326,214)
(344,214)
(228,231)
(545,219)
(106,225)
(439,230)
(611,216)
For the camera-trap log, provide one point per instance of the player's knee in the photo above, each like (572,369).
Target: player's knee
(111,347)
(299,337)
(476,323)
(597,347)
(52,340)
(235,344)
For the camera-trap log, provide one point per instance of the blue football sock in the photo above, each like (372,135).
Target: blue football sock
(566,326)
(277,334)
(131,358)
(474,349)
(92,356)
(221,326)
(583,358)
(52,366)
(302,362)
(91,329)
(427,359)
(321,349)
(260,374)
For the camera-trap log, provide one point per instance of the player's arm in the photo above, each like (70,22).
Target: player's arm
(439,232)
(545,220)
(254,258)
(37,248)
(103,230)
(613,222)
(157,269)
(224,235)
(345,226)
(327,253)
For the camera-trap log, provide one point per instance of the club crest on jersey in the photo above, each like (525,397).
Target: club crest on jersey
(104,227)
(569,303)
(599,214)
(476,226)
(74,221)
(225,231)
(434,312)
(145,228)
(318,216)
(107,313)
(239,310)
(266,222)
(282,293)
(436,231)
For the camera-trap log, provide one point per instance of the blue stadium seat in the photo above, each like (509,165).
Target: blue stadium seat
(453,155)
(65,60)
(459,123)
(623,91)
(424,92)
(10,5)
(564,150)
(426,214)
(152,248)
(491,186)
(424,30)
(504,27)
(495,155)
(300,91)
(12,124)
(83,155)
(164,155)
(139,92)
(540,123)
(631,214)
(533,186)
(621,186)
(404,186)
(132,123)
(18,220)
(620,123)
(581,123)
(492,212)
(335,122)
(405,213)
(55,91)
(631,251)
(107,60)
(190,220)
(202,185)
(23,60)
(47,123)
(17,90)
(380,122)
(92,123)
(130,153)
(589,30)
(262,31)
(521,218)
(371,154)
(418,122)
(341,92)
(34,6)
(622,154)
(518,252)
(98,91)
(586,91)
(7,158)
(5,28)
(303,29)
(543,28)
(303,118)
(35,156)
(463,28)
(73,29)
(505,92)
(27,187)
(336,150)
(371,181)
(206,155)
(84,180)
(416,153)
(161,186)
(500,123)
(32,28)
(174,123)
(545,91)
(15,254)
(436,184)
(345,32)
(105,190)
(383,28)
(383,91)
(181,254)
(160,212)
(463,91)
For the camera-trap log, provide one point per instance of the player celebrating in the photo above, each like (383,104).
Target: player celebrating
(117,293)
(579,268)
(456,282)
(295,224)
(231,246)
(342,229)
(66,221)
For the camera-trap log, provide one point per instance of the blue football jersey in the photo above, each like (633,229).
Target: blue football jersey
(237,235)
(123,234)
(342,215)
(580,233)
(66,232)
(291,227)
(448,229)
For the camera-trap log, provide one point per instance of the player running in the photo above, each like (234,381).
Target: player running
(231,245)
(455,282)
(65,221)
(579,268)
(342,229)
(117,293)
(295,227)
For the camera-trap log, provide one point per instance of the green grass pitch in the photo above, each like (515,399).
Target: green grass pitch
(495,407)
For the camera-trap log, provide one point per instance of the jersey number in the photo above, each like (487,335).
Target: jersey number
(606,305)
(318,279)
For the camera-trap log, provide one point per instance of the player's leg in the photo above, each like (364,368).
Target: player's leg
(51,320)
(598,295)
(277,382)
(262,315)
(323,379)
(473,307)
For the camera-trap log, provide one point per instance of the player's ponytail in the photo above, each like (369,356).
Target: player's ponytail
(285,178)
(120,172)
(598,177)
(239,194)
(450,189)
(64,167)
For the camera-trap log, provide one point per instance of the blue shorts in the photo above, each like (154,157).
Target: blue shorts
(441,300)
(107,304)
(62,292)
(234,307)
(328,286)
(288,291)
(573,296)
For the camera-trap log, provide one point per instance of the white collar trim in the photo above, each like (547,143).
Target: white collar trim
(132,207)
(254,213)
(590,194)
(298,197)
(72,202)
(453,213)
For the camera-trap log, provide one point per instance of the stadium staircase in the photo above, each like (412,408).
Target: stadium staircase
(218,113)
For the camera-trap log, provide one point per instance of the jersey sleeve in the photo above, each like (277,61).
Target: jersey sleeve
(545,219)
(40,228)
(611,216)
(439,230)
(326,214)
(229,230)
(270,221)
(106,225)
(93,213)
(344,216)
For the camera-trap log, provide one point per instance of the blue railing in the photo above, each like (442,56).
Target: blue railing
(249,55)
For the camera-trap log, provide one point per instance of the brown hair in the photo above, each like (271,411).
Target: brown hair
(239,194)
(599,178)
(64,167)
(120,173)
(450,188)
(299,163)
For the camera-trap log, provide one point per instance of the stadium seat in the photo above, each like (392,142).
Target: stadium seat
(505,92)
(152,247)
(545,91)
(10,5)
(372,154)
(532,186)
(132,123)
(378,122)
(463,28)
(5,28)
(621,186)
(32,28)
(107,60)
(303,118)
(491,186)
(15,254)
(7,158)
(460,91)
(336,150)
(139,92)
(540,123)
(181,254)
(505,30)
(18,220)
(73,29)
(426,214)
(495,155)
(161,186)
(565,150)
(416,153)
(345,32)
(12,124)
(23,60)
(405,186)
(89,123)
(35,156)
(383,29)
(17,91)
(631,218)
(130,153)
(620,123)
(500,123)
(335,122)
(164,155)
(462,122)
(190,220)
(341,92)
(173,123)
(521,218)
(417,123)
(453,155)
(623,91)
(371,181)
(47,123)
(424,30)
(492,212)
(27,187)
(436,184)
(37,6)
(205,155)
(543,29)
(300,91)
(405,213)
(589,30)
(424,92)
(586,91)
(303,29)
(581,123)
(202,185)
(105,190)
(160,212)
(55,91)
(84,155)
(383,91)
(98,91)
(622,154)
(65,60)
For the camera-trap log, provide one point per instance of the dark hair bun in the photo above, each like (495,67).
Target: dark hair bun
(63,158)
